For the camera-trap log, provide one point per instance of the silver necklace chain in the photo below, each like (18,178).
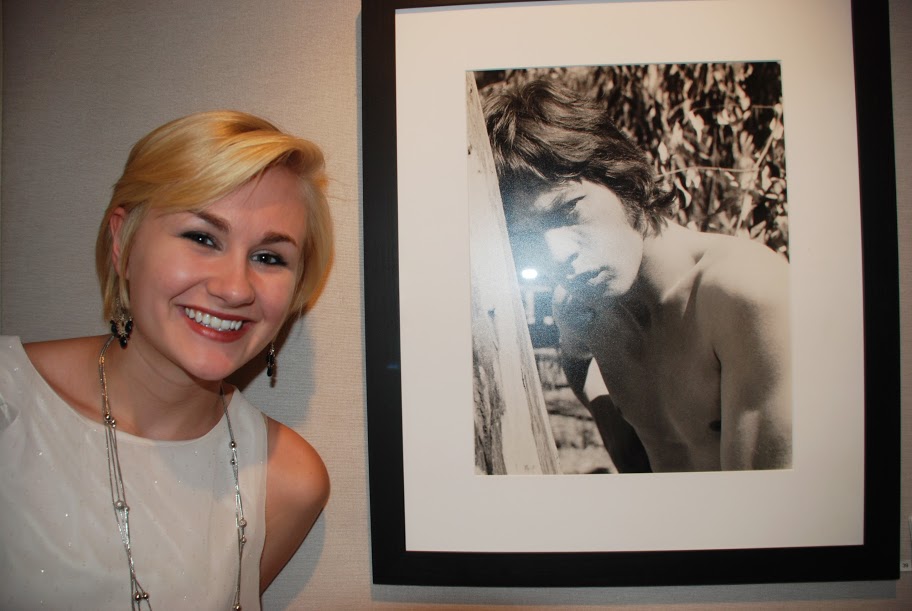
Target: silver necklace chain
(138,595)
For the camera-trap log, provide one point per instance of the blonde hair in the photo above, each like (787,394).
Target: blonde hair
(188,164)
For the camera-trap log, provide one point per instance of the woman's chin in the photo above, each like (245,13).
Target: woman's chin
(212,370)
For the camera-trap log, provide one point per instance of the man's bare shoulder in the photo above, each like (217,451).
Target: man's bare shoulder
(742,270)
(741,284)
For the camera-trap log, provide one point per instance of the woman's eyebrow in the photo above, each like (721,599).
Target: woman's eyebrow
(213,220)
(273,237)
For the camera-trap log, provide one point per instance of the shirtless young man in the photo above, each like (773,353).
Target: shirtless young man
(689,330)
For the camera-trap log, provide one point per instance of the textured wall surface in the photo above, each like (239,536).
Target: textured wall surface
(83,80)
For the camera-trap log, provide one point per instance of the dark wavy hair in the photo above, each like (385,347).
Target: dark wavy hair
(543,134)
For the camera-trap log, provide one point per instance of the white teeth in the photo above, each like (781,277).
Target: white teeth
(213,322)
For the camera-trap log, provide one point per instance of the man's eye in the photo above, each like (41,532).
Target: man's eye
(268,258)
(569,208)
(562,214)
(199,237)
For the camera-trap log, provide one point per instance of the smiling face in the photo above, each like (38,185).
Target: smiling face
(209,289)
(579,233)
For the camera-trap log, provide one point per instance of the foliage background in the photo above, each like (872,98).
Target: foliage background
(714,133)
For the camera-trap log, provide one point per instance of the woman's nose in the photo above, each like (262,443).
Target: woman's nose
(230,281)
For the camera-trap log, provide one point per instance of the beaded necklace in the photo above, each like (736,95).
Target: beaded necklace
(138,595)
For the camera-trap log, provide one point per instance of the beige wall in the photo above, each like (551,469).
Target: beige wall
(83,80)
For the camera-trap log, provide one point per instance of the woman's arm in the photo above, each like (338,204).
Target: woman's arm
(297,488)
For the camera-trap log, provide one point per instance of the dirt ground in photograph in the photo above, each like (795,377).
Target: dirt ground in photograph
(579,445)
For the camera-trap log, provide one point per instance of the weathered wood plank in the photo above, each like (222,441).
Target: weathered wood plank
(511,423)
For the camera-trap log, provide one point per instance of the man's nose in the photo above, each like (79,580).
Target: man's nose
(561,246)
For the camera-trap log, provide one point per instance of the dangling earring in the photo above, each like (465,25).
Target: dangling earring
(271,360)
(121,324)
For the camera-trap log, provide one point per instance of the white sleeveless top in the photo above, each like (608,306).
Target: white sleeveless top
(60,547)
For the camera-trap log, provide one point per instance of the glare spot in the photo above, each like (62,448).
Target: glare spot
(529,273)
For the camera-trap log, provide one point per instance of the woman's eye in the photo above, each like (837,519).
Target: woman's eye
(199,237)
(268,258)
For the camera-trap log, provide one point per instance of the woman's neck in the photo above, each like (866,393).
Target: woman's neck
(157,400)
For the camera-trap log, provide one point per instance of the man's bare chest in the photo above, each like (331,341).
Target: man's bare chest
(665,378)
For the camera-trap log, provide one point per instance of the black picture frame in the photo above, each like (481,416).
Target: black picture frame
(876,559)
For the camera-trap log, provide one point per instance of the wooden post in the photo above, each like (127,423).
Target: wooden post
(512,434)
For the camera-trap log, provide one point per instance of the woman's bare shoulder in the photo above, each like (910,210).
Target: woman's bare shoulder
(60,352)
(69,367)
(296,466)
(297,488)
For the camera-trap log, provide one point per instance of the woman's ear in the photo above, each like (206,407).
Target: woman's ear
(115,225)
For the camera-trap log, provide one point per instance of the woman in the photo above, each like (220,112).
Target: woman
(132,472)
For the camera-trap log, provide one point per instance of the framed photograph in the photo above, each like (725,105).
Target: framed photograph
(631,296)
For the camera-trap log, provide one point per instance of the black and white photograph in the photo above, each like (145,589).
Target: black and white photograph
(630,254)
(646,212)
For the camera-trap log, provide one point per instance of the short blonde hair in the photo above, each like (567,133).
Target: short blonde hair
(188,164)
